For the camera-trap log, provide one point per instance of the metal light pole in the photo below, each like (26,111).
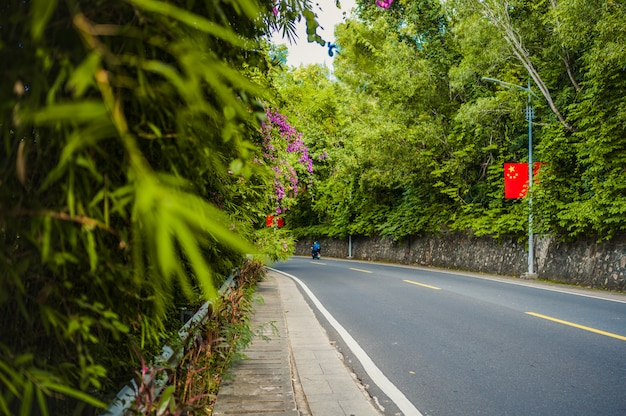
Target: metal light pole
(350,246)
(530,114)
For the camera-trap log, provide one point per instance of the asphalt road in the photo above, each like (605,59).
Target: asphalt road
(462,344)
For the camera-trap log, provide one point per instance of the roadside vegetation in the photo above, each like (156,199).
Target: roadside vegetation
(133,182)
(415,138)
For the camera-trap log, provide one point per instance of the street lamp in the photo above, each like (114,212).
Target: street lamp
(530,114)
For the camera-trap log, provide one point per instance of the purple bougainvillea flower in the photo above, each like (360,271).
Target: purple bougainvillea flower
(279,136)
(384,4)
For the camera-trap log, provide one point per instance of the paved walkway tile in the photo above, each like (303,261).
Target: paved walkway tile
(261,384)
(297,372)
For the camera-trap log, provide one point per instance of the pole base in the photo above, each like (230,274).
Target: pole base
(529,276)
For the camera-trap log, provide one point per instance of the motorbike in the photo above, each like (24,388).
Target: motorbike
(315,253)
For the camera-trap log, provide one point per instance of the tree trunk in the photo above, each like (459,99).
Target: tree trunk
(499,16)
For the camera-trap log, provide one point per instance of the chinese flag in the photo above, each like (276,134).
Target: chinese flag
(516,179)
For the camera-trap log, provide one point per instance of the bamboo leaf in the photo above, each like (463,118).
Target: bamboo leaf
(170,73)
(78,112)
(249,8)
(6,381)
(91,251)
(41,11)
(4,407)
(41,400)
(83,76)
(88,163)
(77,394)
(166,399)
(157,132)
(191,19)
(166,254)
(26,399)
(70,195)
(201,270)
(45,238)
(23,359)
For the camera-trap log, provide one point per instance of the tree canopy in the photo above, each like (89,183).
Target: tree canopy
(419,136)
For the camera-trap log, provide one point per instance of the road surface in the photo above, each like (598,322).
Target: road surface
(463,344)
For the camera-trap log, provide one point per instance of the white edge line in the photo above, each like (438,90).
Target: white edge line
(371,369)
(564,291)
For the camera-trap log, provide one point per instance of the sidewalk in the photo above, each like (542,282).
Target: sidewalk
(297,372)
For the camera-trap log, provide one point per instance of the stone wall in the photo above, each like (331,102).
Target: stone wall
(584,262)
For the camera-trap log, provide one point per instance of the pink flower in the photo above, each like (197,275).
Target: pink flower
(384,4)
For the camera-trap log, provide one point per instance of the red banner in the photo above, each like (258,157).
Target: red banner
(516,179)
(271,220)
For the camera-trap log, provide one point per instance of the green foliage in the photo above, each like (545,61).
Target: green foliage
(285,13)
(275,243)
(128,184)
(418,139)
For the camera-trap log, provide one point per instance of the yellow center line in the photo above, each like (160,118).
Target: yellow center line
(422,284)
(359,270)
(586,328)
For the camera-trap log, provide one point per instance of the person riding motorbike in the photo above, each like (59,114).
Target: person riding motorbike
(315,250)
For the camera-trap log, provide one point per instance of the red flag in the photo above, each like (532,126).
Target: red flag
(516,179)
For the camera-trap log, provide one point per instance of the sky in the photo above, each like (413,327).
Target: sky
(304,53)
